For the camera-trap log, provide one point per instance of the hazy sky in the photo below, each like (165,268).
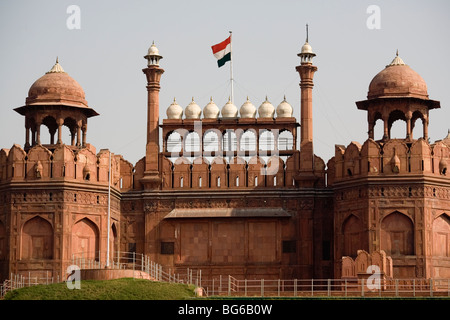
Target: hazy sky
(106,57)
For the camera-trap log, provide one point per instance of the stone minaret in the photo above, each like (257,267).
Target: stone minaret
(306,71)
(153,72)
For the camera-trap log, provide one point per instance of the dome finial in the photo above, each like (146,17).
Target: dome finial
(306,32)
(56,67)
(397,61)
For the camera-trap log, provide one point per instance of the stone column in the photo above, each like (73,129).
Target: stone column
(408,126)
(38,133)
(27,136)
(60,124)
(84,130)
(78,133)
(425,128)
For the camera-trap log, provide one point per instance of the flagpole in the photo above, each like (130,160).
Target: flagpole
(109,212)
(231,66)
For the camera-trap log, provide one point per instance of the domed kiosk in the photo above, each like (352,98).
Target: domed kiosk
(56,100)
(397,93)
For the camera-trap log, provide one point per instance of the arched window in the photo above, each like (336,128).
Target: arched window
(353,236)
(417,126)
(52,127)
(397,129)
(248,141)
(192,143)
(69,135)
(37,239)
(441,236)
(229,141)
(397,235)
(85,239)
(285,140)
(174,142)
(378,130)
(210,141)
(266,140)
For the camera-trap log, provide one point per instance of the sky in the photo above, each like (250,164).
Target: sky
(105,53)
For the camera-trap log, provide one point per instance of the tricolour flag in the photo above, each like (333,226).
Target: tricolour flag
(222,51)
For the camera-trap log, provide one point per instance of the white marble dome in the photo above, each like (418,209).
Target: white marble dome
(247,110)
(211,110)
(306,48)
(193,110)
(174,111)
(284,109)
(153,50)
(229,110)
(266,110)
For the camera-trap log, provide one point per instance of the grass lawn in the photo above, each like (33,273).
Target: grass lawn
(118,289)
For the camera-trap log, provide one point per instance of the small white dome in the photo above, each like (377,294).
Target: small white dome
(153,50)
(266,109)
(248,110)
(193,110)
(174,111)
(284,109)
(211,110)
(229,110)
(307,48)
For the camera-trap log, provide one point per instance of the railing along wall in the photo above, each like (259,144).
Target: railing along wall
(231,286)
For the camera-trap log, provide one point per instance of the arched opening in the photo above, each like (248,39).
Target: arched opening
(285,140)
(229,140)
(352,230)
(441,236)
(397,235)
(210,141)
(85,241)
(173,142)
(266,140)
(378,130)
(69,135)
(52,127)
(37,239)
(417,127)
(248,141)
(397,129)
(192,143)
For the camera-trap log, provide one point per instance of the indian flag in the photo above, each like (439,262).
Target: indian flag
(222,51)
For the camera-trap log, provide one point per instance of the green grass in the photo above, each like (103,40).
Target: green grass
(118,289)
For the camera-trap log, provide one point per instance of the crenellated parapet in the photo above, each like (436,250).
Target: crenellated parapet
(392,158)
(64,163)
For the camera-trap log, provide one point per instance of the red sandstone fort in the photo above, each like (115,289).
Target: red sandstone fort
(230,191)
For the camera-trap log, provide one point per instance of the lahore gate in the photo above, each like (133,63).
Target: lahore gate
(230,191)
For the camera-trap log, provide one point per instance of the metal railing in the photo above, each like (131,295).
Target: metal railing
(231,286)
